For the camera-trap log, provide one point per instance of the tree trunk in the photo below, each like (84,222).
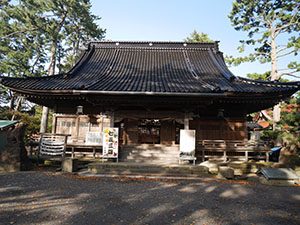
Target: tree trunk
(274,76)
(51,71)
(12,102)
(17,107)
(44,120)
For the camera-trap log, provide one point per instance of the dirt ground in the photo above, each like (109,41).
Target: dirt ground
(54,198)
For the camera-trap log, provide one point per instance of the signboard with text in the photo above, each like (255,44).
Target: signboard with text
(93,138)
(110,142)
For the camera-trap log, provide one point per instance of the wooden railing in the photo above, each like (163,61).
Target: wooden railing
(226,149)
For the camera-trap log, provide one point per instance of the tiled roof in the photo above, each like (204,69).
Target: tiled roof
(149,67)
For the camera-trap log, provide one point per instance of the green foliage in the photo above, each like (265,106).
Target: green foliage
(264,22)
(32,121)
(258,76)
(263,76)
(20,52)
(288,132)
(35,34)
(270,135)
(198,37)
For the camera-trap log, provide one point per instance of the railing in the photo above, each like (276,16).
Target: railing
(232,149)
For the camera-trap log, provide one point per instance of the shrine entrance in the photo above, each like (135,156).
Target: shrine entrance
(149,131)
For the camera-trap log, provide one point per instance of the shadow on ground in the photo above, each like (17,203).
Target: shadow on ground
(55,198)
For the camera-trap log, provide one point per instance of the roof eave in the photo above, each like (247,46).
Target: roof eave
(75,92)
(115,93)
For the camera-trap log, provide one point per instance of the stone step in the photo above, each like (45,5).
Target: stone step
(135,168)
(132,158)
(149,147)
(157,161)
(150,150)
(151,153)
(145,153)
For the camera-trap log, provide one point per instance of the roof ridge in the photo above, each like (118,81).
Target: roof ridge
(149,41)
(155,44)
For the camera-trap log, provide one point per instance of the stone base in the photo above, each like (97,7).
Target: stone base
(212,166)
(278,182)
(226,172)
(69,165)
(9,167)
(13,156)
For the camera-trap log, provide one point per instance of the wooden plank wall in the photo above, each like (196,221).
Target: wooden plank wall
(66,124)
(130,135)
(227,129)
(167,132)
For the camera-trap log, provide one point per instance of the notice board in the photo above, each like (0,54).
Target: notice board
(187,142)
(111,142)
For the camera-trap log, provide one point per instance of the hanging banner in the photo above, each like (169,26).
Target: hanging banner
(110,142)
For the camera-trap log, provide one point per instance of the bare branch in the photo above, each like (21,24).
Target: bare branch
(289,74)
(288,53)
(286,69)
(282,49)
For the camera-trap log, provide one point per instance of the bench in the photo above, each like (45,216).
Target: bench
(226,149)
(93,147)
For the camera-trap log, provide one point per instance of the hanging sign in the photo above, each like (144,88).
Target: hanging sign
(110,142)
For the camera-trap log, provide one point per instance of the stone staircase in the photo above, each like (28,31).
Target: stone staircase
(125,168)
(150,154)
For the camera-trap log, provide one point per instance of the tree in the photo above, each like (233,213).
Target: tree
(263,76)
(20,52)
(268,23)
(61,24)
(198,37)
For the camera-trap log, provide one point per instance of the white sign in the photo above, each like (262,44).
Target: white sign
(187,142)
(110,142)
(93,138)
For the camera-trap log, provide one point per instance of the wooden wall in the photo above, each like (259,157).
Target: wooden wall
(167,132)
(66,124)
(206,129)
(221,129)
(130,135)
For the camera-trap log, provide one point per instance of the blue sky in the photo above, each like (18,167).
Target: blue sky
(172,20)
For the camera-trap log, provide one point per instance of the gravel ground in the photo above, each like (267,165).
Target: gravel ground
(56,198)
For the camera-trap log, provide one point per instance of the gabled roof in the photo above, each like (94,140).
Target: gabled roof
(148,67)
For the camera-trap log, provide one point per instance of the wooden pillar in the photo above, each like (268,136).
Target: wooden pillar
(112,118)
(77,126)
(186,121)
(54,123)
